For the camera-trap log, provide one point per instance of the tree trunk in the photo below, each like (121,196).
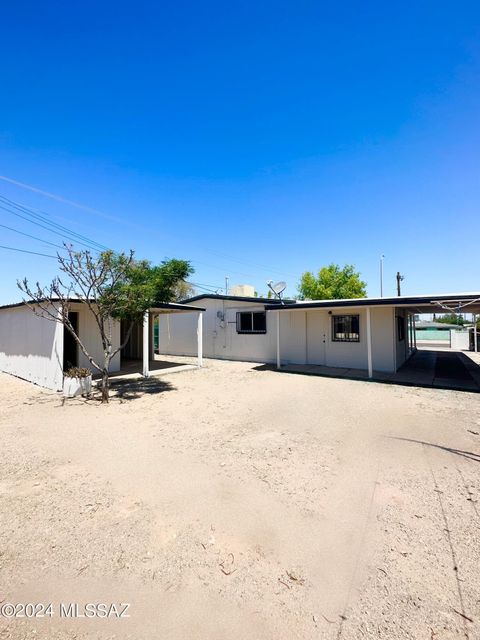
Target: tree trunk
(105,386)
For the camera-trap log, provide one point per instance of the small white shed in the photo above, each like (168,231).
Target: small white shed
(40,350)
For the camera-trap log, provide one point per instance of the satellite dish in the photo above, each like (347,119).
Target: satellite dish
(278,288)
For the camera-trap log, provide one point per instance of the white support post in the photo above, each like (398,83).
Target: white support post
(414,333)
(410,340)
(146,344)
(369,344)
(200,339)
(475,333)
(278,340)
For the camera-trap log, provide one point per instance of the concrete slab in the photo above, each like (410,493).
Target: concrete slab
(442,369)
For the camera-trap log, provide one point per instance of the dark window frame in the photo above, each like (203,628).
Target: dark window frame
(252,330)
(348,334)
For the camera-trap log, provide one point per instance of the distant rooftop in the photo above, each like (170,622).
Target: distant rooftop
(425,324)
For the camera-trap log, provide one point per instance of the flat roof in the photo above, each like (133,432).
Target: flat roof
(215,296)
(163,307)
(419,304)
(160,307)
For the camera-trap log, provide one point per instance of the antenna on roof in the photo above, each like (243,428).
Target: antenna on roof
(278,288)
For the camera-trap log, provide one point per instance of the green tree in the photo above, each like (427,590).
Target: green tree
(451,318)
(332,282)
(112,286)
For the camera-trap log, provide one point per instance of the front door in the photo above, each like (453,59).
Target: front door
(316,336)
(70,346)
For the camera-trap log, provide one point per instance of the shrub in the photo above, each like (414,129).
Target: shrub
(78,372)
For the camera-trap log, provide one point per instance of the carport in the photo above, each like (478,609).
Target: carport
(374,338)
(442,368)
(139,357)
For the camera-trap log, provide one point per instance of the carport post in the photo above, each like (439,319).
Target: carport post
(200,339)
(146,344)
(369,344)
(475,333)
(278,340)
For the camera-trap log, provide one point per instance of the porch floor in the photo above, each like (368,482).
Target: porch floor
(443,369)
(132,368)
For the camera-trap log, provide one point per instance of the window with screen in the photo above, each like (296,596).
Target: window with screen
(251,322)
(400,328)
(346,328)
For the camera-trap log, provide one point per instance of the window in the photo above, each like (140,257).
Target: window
(251,322)
(346,328)
(400,328)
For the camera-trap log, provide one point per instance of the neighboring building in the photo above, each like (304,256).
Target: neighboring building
(40,350)
(426,331)
(244,290)
(366,333)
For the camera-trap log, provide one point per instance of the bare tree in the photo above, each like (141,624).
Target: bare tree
(184,290)
(113,287)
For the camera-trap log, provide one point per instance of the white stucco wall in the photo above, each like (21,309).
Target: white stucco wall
(460,340)
(178,333)
(305,336)
(90,335)
(383,339)
(31,347)
(401,346)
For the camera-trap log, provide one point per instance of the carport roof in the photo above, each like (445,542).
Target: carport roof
(165,307)
(469,302)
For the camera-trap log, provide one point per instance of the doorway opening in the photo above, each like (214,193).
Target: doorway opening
(70,346)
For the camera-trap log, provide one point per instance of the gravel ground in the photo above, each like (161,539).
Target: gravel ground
(234,502)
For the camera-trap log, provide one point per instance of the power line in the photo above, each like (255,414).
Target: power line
(84,239)
(63,235)
(33,237)
(42,218)
(253,264)
(65,232)
(55,196)
(205,286)
(37,216)
(35,253)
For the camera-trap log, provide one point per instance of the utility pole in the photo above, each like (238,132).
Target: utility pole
(381,275)
(399,280)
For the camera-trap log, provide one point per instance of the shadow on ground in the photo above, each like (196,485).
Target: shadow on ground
(470,455)
(133,389)
(123,391)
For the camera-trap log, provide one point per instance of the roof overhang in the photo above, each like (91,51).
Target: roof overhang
(256,299)
(174,307)
(159,307)
(446,303)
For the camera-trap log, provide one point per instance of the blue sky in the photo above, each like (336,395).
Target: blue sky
(258,139)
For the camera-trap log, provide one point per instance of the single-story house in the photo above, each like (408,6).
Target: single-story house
(40,350)
(364,333)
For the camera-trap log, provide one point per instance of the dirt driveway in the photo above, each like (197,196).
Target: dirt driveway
(230,503)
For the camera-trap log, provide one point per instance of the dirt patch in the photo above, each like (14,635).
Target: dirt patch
(243,504)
